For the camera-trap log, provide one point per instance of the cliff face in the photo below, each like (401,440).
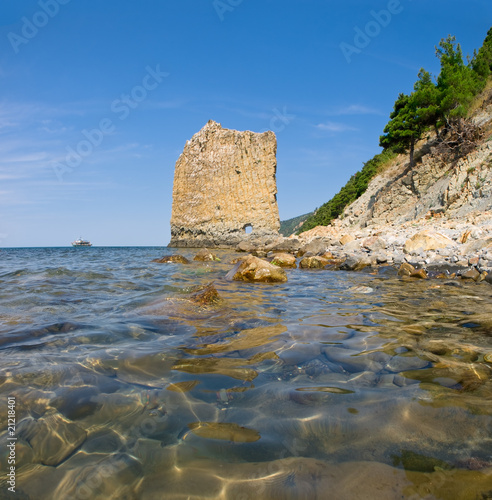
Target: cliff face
(454,188)
(224,182)
(400,195)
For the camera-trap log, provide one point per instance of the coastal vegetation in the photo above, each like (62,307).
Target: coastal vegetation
(442,104)
(356,186)
(290,226)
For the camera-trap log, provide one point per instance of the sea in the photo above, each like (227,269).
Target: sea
(117,382)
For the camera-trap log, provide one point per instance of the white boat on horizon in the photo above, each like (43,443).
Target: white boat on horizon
(81,243)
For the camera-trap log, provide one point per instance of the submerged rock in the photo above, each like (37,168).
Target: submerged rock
(207,295)
(224,431)
(176,259)
(254,269)
(52,438)
(205,255)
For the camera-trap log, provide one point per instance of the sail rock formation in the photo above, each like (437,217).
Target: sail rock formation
(224,182)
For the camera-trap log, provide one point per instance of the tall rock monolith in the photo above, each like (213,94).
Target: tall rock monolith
(225,189)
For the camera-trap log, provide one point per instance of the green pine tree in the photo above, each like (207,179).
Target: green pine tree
(427,98)
(482,60)
(457,82)
(405,126)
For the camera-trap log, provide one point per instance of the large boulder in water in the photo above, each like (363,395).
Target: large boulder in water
(254,269)
(205,255)
(284,260)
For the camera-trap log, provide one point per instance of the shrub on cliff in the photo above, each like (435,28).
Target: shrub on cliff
(354,188)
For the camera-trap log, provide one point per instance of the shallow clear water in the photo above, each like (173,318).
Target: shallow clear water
(333,385)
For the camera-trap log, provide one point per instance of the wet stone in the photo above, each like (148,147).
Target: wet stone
(254,269)
(315,368)
(364,379)
(419,274)
(471,274)
(351,361)
(406,269)
(207,295)
(299,353)
(103,441)
(175,259)
(284,260)
(205,255)
(76,403)
(405,363)
(355,263)
(98,476)
(52,438)
(313,262)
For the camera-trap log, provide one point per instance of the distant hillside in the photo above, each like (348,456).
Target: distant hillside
(290,226)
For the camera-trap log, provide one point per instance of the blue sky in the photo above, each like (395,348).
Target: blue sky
(126,83)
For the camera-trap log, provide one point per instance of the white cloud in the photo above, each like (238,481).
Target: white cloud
(169,104)
(358,109)
(335,127)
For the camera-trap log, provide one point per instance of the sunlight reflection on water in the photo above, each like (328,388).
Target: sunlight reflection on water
(126,388)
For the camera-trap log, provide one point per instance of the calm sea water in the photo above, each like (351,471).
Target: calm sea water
(333,385)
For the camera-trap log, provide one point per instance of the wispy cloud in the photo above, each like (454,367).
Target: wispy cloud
(353,109)
(249,113)
(335,127)
(168,104)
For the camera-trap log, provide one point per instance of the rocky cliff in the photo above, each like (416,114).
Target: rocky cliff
(225,183)
(434,185)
